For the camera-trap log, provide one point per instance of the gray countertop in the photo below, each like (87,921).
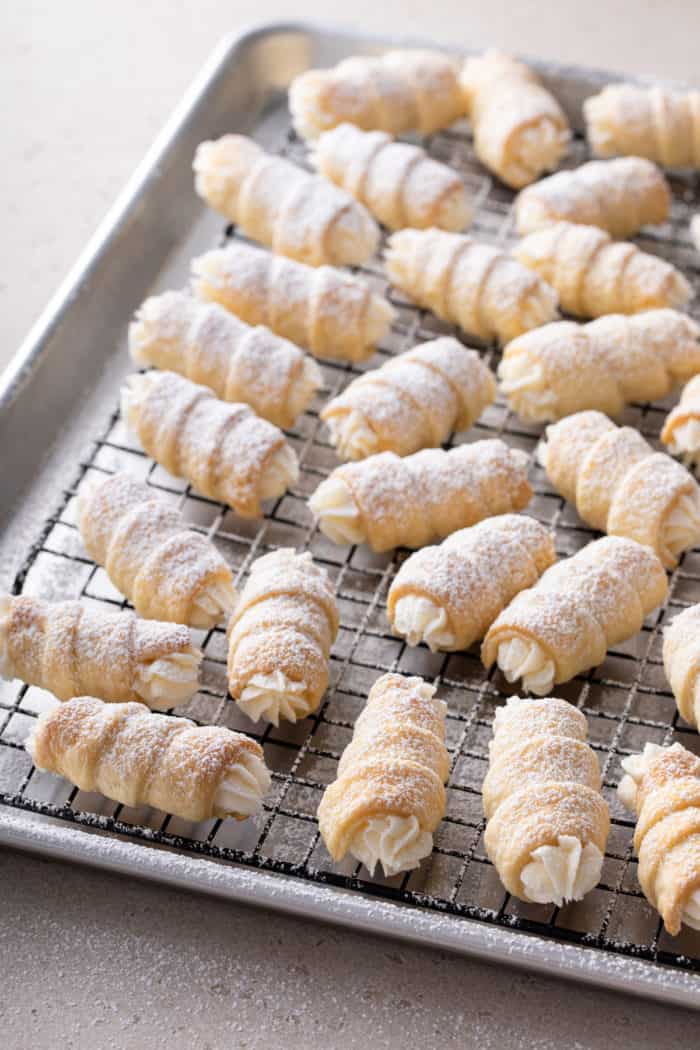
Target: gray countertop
(89,960)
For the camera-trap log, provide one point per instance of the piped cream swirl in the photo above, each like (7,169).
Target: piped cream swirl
(397,843)
(563,872)
(274,696)
(351,436)
(526,660)
(243,788)
(170,680)
(418,619)
(337,514)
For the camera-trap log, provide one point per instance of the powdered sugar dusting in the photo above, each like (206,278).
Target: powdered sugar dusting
(284,623)
(469,284)
(409,502)
(619,196)
(475,573)
(416,399)
(329,312)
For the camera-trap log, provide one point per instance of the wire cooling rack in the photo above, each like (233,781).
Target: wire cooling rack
(626,699)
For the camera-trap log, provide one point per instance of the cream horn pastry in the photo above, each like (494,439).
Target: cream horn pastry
(645,122)
(448,596)
(414,401)
(565,367)
(280,637)
(681,430)
(332,314)
(386,501)
(577,610)
(73,649)
(397,182)
(473,285)
(594,275)
(166,569)
(207,344)
(547,821)
(520,130)
(282,206)
(620,196)
(407,90)
(138,758)
(619,485)
(681,653)
(224,450)
(388,798)
(662,785)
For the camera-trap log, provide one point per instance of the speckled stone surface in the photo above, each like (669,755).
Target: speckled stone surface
(91,961)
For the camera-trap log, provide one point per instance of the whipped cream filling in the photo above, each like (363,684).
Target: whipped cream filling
(538,148)
(169,681)
(635,766)
(562,873)
(685,440)
(454,211)
(681,528)
(212,604)
(139,340)
(133,393)
(304,390)
(242,789)
(5,664)
(522,381)
(417,619)
(281,472)
(337,514)
(526,660)
(351,436)
(274,696)
(397,843)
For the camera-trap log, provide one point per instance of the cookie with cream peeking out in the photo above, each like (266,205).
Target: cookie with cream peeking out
(547,821)
(389,796)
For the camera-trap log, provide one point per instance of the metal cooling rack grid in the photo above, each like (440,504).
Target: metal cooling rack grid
(626,699)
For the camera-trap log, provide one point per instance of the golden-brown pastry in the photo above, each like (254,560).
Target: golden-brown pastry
(400,91)
(389,798)
(578,609)
(74,649)
(565,367)
(397,182)
(681,430)
(414,401)
(619,196)
(619,485)
(208,345)
(168,571)
(473,285)
(280,205)
(663,786)
(594,275)
(645,122)
(548,823)
(227,452)
(448,596)
(332,314)
(138,758)
(520,130)
(280,636)
(387,502)
(681,654)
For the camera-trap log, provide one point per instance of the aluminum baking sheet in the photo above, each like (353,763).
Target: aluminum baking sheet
(59,425)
